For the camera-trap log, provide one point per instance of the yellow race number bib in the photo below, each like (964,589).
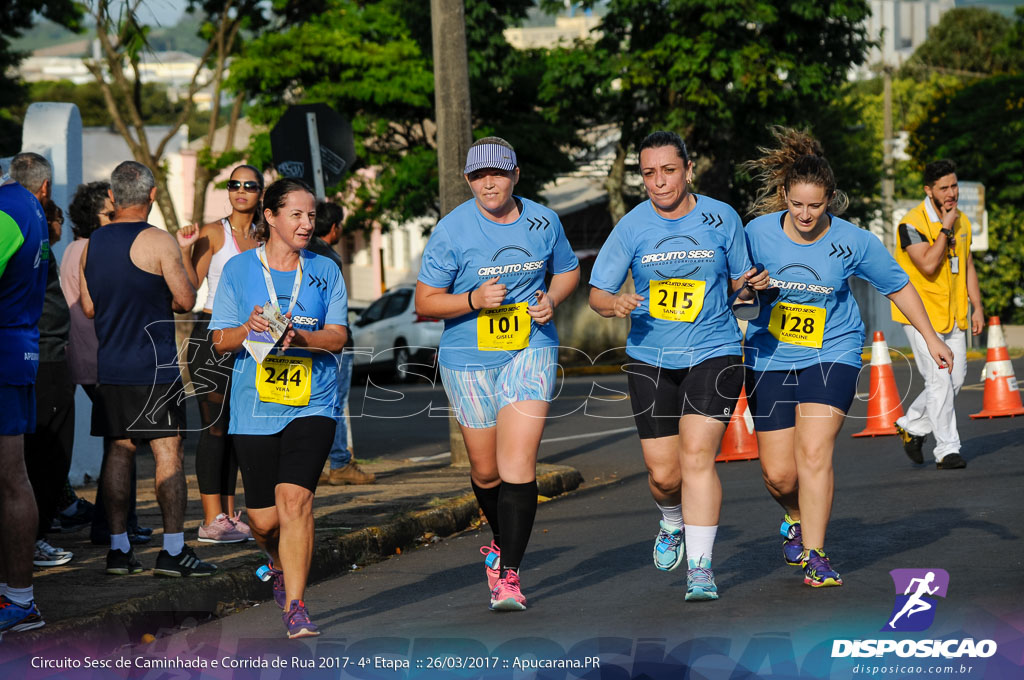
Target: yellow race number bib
(284,380)
(798,324)
(503,328)
(677,299)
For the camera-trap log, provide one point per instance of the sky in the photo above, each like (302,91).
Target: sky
(162,12)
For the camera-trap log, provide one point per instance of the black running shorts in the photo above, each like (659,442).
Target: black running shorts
(140,412)
(659,397)
(295,455)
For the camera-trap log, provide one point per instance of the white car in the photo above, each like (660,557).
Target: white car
(390,334)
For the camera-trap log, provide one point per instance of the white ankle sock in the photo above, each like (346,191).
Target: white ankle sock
(671,515)
(22,596)
(120,542)
(174,543)
(700,541)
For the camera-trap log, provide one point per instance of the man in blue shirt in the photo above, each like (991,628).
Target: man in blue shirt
(24,254)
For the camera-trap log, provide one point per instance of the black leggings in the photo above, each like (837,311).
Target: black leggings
(48,449)
(216,464)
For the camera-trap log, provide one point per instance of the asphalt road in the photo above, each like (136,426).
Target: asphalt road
(591,586)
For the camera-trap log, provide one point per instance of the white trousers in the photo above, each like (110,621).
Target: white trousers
(932,411)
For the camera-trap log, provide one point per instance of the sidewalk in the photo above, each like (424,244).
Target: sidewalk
(411,503)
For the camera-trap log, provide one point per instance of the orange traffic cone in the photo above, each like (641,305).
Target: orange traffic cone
(884,406)
(1001,395)
(739,441)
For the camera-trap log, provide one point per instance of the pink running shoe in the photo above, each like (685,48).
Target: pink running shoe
(506,596)
(221,530)
(492,564)
(236,519)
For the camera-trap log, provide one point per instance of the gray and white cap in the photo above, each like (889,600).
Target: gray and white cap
(490,156)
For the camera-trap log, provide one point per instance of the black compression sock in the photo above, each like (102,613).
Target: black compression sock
(488,500)
(517,508)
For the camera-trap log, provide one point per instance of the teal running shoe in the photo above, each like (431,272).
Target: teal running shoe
(668,547)
(700,581)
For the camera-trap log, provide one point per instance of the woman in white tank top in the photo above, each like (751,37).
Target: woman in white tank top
(216,465)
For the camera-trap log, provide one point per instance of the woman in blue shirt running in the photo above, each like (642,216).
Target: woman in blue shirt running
(282,419)
(483,272)
(687,254)
(803,351)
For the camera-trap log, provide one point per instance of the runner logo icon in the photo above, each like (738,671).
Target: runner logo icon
(916,590)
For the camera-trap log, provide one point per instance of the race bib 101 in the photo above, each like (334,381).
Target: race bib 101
(503,328)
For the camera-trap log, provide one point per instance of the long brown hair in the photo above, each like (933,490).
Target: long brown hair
(797,159)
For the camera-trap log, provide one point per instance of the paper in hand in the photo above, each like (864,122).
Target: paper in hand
(260,344)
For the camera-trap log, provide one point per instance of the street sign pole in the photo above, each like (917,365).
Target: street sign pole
(314,153)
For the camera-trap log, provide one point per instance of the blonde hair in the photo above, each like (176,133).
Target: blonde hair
(797,159)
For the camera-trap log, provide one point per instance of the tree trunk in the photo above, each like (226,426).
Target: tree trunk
(614,182)
(163,198)
(454,132)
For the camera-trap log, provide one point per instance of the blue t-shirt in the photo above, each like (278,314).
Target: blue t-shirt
(818,320)
(24,253)
(322,300)
(466,250)
(689,262)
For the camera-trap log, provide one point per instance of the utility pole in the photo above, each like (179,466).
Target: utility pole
(888,181)
(454,132)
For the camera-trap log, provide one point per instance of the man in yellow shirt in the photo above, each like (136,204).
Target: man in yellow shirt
(935,250)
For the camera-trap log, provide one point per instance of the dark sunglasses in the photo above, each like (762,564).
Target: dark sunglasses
(248,185)
(109,214)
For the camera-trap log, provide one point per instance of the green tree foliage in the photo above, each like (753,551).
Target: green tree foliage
(123,40)
(912,102)
(1001,267)
(372,62)
(157,108)
(15,17)
(362,61)
(721,71)
(970,40)
(981,128)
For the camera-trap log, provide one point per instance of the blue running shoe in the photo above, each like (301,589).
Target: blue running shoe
(793,543)
(296,620)
(277,576)
(700,581)
(668,547)
(818,572)
(14,617)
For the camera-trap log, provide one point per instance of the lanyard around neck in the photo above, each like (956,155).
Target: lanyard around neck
(261,253)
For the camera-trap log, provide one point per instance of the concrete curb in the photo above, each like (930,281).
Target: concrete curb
(125,622)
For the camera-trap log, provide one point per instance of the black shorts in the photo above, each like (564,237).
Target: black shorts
(210,372)
(139,411)
(659,397)
(295,455)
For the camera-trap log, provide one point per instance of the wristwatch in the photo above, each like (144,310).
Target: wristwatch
(948,233)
